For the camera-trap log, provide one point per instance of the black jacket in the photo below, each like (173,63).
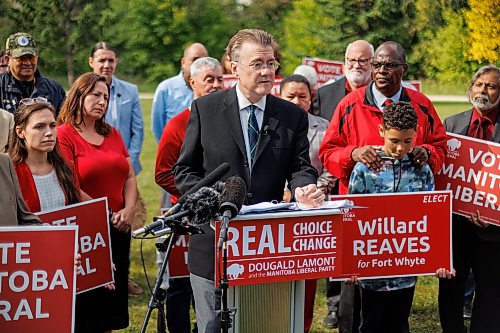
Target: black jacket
(214,136)
(11,94)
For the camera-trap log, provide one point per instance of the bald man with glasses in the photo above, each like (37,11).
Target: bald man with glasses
(352,135)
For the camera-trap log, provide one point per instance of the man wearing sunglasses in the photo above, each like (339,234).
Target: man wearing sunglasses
(352,133)
(24,80)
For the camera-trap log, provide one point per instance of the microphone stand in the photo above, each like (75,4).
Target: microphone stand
(226,313)
(158,296)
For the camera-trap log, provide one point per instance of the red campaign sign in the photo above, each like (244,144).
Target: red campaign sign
(471,169)
(379,239)
(93,240)
(37,279)
(230,81)
(178,261)
(326,69)
(386,238)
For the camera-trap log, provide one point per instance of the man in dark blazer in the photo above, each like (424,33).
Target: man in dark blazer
(264,140)
(475,244)
(357,70)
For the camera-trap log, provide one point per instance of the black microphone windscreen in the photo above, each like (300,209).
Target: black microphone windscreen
(233,195)
(209,180)
(203,204)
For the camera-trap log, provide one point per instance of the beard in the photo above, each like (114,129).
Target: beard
(358,79)
(482,102)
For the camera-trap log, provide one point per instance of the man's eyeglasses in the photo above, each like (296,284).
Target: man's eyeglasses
(3,65)
(362,62)
(258,66)
(390,66)
(31,101)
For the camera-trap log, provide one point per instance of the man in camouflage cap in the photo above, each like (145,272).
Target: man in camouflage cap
(24,80)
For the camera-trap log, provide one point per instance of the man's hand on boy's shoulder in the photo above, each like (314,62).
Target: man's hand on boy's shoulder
(419,156)
(368,156)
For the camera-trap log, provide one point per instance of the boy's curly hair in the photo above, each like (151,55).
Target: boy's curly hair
(400,116)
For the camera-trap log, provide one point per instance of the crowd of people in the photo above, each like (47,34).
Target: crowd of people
(356,134)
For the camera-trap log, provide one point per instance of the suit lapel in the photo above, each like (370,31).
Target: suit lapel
(231,113)
(313,129)
(269,125)
(465,122)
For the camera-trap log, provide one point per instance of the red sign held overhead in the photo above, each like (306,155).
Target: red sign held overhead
(471,169)
(383,238)
(93,240)
(37,279)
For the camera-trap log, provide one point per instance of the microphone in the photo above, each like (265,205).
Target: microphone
(232,198)
(199,208)
(209,180)
(118,95)
(159,223)
(204,204)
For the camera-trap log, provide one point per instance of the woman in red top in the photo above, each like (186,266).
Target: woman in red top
(104,169)
(45,179)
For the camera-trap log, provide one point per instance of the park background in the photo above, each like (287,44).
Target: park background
(446,42)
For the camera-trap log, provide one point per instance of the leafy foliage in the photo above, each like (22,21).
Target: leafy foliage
(483,21)
(64,30)
(323,28)
(444,39)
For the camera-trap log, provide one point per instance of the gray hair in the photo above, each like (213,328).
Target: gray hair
(481,71)
(257,36)
(372,49)
(199,63)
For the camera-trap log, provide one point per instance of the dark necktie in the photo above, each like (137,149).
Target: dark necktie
(253,131)
(481,128)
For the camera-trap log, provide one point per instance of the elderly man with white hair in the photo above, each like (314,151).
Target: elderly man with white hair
(357,70)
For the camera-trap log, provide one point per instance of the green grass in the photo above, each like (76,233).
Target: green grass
(424,317)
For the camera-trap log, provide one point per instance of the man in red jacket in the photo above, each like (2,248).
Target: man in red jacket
(206,77)
(352,134)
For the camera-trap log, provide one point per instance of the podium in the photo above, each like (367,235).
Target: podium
(264,254)
(269,255)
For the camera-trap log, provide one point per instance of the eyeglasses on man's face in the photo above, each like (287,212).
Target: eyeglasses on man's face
(390,66)
(272,65)
(361,61)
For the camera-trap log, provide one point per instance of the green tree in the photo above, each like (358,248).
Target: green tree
(64,30)
(155,32)
(6,24)
(328,26)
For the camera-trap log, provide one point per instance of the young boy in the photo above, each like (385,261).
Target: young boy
(386,303)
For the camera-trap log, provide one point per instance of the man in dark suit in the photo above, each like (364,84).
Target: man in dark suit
(264,140)
(357,70)
(475,244)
